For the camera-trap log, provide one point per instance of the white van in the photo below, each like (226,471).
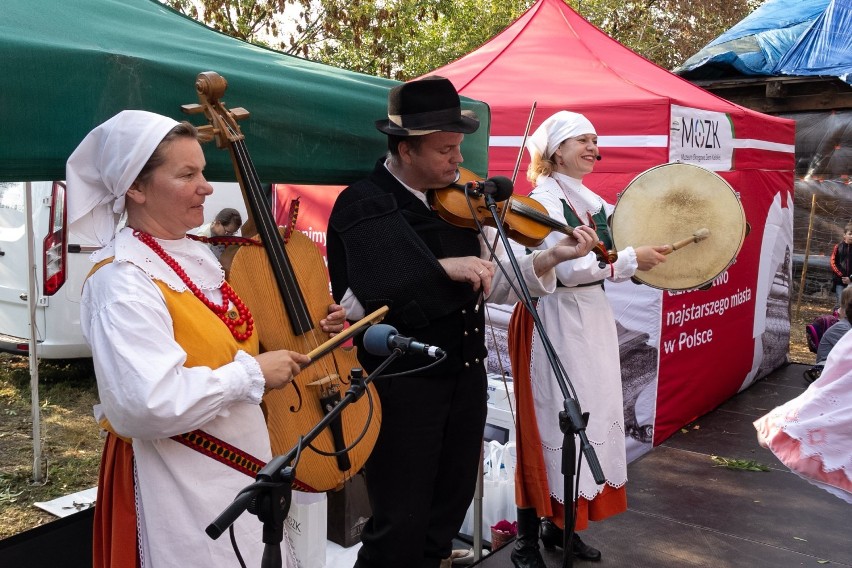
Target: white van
(62,264)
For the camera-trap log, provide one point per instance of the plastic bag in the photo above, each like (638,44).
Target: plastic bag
(498,488)
(306,527)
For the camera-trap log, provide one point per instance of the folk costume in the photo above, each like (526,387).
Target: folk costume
(579,323)
(166,365)
(812,434)
(383,247)
(384,243)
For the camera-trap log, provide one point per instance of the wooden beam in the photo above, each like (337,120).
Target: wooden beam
(804,103)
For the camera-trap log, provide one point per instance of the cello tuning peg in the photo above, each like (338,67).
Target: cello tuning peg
(192,108)
(206,133)
(239,113)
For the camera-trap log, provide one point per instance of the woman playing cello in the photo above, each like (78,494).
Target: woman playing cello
(175,351)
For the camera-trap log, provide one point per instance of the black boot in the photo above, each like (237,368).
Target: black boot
(526,553)
(551,535)
(583,551)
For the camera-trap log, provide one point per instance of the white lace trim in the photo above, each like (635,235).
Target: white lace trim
(581,198)
(608,483)
(195,258)
(252,367)
(141,536)
(618,464)
(614,426)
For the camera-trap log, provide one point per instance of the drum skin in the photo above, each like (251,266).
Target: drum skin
(671,202)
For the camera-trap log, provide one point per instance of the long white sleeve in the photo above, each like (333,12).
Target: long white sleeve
(146,392)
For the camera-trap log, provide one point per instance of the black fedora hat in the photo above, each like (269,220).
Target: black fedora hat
(427,105)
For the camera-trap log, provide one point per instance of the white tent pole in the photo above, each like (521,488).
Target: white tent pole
(31,306)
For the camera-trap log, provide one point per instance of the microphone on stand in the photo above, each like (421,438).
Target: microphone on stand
(382,339)
(598,157)
(499,187)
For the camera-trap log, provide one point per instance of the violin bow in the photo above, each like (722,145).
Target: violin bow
(517,166)
(523,142)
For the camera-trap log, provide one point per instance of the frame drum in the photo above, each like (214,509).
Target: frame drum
(669,203)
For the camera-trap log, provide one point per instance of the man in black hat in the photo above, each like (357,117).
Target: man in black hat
(386,246)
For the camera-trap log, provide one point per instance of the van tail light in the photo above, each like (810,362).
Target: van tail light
(55,255)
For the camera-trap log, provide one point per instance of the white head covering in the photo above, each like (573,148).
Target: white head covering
(556,129)
(104,166)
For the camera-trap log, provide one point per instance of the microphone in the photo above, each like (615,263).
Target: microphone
(598,157)
(500,187)
(381,339)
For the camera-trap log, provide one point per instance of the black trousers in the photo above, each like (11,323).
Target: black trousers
(422,472)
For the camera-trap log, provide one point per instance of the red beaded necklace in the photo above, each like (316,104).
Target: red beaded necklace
(230,318)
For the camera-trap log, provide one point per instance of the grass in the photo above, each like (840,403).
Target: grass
(71,442)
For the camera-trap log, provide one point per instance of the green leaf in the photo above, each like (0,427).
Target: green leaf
(743,465)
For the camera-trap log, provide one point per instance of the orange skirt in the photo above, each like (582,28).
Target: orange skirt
(531,485)
(115,543)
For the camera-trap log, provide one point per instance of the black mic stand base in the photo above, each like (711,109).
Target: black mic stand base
(270,495)
(569,452)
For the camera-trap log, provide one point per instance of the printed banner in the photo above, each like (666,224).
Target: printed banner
(701,137)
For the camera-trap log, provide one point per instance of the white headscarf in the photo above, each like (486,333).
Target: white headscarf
(104,166)
(555,130)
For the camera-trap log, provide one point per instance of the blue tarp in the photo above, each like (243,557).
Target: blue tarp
(781,37)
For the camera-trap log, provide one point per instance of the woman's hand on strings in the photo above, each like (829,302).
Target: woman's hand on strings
(477,271)
(579,245)
(280,367)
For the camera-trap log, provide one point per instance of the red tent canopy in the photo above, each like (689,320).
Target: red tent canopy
(683,353)
(707,344)
(553,57)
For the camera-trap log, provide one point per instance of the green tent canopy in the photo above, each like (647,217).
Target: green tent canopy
(67,66)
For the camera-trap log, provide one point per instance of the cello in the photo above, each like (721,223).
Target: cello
(286,287)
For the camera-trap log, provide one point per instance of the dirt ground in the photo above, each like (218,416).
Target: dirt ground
(71,440)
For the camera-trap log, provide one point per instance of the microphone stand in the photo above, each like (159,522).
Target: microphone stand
(572,421)
(269,497)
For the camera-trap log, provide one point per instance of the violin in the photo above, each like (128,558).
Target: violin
(524,219)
